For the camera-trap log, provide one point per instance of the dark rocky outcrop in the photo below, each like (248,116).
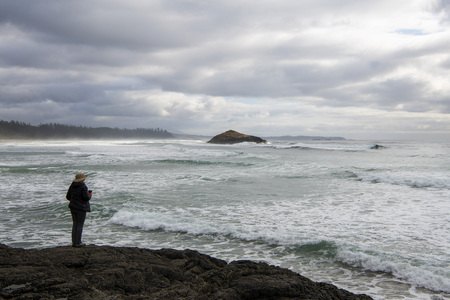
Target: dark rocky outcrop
(104,272)
(234,137)
(376,147)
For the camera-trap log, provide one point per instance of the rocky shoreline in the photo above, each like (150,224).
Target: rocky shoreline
(105,272)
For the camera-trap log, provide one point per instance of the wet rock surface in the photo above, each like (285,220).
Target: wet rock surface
(104,272)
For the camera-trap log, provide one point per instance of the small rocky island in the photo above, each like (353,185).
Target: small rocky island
(105,272)
(234,137)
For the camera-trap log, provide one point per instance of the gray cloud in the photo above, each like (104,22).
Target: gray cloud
(300,66)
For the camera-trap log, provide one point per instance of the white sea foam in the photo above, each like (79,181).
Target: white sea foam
(328,146)
(411,274)
(201,152)
(409,178)
(155,221)
(197,226)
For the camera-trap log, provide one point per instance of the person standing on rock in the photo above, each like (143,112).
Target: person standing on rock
(79,196)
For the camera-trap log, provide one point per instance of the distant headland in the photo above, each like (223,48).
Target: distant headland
(21,130)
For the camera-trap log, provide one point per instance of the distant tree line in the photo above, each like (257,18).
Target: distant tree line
(21,130)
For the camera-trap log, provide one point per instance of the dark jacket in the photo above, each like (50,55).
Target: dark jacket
(79,197)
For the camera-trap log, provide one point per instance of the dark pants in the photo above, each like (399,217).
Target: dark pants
(78,218)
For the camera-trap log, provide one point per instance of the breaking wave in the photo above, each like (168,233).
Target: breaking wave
(330,147)
(434,279)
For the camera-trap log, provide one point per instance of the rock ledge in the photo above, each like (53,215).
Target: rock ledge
(105,272)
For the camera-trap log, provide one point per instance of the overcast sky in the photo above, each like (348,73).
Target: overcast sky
(358,69)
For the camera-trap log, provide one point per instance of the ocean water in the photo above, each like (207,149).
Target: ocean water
(372,221)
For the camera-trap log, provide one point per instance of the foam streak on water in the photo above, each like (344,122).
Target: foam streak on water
(368,219)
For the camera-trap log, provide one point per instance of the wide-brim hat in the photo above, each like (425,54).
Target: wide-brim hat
(80,177)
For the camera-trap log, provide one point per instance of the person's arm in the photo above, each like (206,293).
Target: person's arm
(84,193)
(69,193)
